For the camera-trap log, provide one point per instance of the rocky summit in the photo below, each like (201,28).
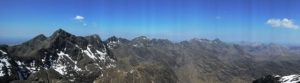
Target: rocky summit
(62,57)
(67,58)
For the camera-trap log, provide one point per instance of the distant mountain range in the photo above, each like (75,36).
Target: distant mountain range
(66,58)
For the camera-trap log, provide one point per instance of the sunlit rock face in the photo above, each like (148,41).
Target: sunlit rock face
(200,60)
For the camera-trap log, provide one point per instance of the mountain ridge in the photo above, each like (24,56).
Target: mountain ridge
(66,54)
(64,57)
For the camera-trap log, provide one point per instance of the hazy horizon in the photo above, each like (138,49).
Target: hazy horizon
(19,41)
(263,21)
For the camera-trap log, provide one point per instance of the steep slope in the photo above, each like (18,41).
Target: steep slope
(61,57)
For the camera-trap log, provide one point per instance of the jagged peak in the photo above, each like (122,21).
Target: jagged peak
(217,40)
(61,33)
(40,37)
(94,39)
(112,38)
(119,39)
(140,38)
(161,41)
(36,39)
(200,40)
(94,36)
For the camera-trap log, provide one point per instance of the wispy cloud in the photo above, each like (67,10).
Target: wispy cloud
(282,23)
(80,19)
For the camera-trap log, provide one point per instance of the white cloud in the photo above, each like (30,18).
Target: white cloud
(80,19)
(282,23)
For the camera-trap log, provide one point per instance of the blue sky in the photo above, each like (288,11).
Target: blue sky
(265,21)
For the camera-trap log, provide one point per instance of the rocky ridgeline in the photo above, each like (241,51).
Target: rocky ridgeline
(63,58)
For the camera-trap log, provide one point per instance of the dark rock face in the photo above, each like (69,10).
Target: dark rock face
(267,79)
(64,58)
